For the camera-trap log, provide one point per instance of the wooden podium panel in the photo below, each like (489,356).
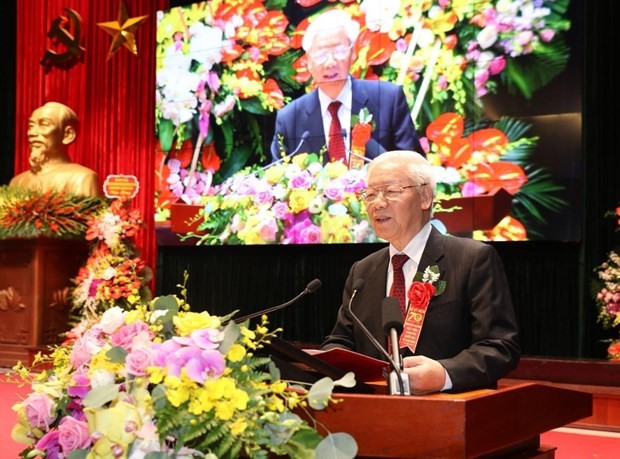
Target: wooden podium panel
(480,424)
(35,284)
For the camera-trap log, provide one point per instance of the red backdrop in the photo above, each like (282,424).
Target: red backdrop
(114,98)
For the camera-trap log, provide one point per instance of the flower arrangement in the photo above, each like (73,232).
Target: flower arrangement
(606,292)
(31,214)
(298,201)
(160,381)
(114,275)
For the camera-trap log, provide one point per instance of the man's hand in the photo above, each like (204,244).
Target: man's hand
(425,375)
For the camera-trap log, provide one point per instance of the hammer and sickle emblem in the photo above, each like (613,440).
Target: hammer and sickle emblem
(59,34)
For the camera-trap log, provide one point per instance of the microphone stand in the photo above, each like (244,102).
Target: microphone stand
(393,325)
(404,387)
(304,137)
(310,288)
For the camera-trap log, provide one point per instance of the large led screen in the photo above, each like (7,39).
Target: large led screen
(492,88)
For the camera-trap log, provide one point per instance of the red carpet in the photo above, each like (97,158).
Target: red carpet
(583,444)
(570,443)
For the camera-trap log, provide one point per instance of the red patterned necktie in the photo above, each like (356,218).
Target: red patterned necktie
(335,147)
(398,282)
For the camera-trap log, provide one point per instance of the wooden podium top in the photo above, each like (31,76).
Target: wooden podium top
(484,423)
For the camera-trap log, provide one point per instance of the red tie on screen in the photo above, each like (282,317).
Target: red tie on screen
(398,282)
(335,148)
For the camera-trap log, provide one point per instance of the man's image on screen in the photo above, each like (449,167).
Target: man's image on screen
(304,124)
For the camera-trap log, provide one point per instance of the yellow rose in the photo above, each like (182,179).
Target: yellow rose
(191,321)
(274,173)
(300,200)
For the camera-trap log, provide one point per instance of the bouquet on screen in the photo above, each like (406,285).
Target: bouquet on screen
(160,382)
(298,201)
(606,292)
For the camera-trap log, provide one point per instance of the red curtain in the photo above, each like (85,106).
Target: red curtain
(114,98)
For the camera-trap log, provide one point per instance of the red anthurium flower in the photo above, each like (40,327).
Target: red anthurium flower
(184,154)
(301,65)
(491,177)
(275,95)
(210,160)
(307,3)
(298,35)
(488,141)
(445,125)
(380,46)
(508,229)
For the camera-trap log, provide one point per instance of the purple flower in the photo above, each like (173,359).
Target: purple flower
(80,384)
(49,444)
(204,365)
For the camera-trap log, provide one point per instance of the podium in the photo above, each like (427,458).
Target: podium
(485,424)
(35,286)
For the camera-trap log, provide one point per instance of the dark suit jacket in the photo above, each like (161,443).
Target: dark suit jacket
(470,328)
(386,101)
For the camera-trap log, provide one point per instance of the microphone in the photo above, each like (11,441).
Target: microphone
(393,326)
(358,286)
(312,287)
(303,138)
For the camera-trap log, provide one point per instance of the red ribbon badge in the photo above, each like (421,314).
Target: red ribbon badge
(420,294)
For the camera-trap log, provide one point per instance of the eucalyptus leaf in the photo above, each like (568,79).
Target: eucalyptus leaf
(157,455)
(347,380)
(117,354)
(320,392)
(274,371)
(99,396)
(78,454)
(231,333)
(337,446)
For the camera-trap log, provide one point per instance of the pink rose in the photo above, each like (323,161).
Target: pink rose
(125,336)
(39,410)
(138,360)
(420,294)
(73,434)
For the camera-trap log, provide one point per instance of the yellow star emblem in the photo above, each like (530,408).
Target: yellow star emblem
(123,30)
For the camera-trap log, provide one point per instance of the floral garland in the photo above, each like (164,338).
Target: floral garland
(606,292)
(29,214)
(160,381)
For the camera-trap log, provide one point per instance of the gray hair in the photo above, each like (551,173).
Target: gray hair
(415,165)
(330,21)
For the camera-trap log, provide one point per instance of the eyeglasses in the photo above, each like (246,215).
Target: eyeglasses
(338,53)
(389,192)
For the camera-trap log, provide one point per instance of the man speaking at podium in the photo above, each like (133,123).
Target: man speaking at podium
(461,333)
(321,120)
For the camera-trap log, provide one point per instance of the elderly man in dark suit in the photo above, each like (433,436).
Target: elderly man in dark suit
(464,338)
(316,121)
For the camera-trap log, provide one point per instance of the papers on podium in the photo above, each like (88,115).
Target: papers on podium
(366,369)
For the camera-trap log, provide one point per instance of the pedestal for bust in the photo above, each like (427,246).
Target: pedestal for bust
(35,286)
